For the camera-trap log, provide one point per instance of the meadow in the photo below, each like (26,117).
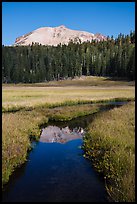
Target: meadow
(110,144)
(65,92)
(26,107)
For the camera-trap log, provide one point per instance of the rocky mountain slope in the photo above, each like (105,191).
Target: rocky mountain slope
(57,35)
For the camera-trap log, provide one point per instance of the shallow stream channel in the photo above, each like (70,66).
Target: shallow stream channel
(56,170)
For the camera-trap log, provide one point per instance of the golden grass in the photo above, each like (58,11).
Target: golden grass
(19,96)
(110,142)
(16,131)
(19,127)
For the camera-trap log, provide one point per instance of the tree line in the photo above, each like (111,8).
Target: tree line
(39,63)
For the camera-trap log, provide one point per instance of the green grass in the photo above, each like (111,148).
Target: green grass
(110,144)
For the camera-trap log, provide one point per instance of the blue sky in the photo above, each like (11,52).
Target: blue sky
(108,18)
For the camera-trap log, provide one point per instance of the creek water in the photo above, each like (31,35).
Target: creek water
(56,170)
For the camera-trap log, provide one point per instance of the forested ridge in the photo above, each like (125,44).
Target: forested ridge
(39,63)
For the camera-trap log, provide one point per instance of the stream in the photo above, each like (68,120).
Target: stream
(56,170)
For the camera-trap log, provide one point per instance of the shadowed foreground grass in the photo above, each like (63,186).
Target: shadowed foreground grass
(110,144)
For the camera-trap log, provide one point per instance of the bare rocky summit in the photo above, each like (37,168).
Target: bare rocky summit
(57,35)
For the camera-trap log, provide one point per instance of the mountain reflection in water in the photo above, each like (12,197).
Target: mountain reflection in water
(61,135)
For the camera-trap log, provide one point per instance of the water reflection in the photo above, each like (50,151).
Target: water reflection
(61,135)
(56,172)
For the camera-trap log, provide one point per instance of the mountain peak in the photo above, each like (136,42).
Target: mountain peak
(56,35)
(61,26)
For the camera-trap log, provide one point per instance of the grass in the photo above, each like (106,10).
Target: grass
(82,81)
(110,144)
(89,81)
(26,107)
(19,97)
(19,128)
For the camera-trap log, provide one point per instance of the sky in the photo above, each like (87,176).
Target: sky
(107,18)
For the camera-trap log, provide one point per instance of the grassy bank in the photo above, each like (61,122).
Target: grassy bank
(110,144)
(25,108)
(17,129)
(20,127)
